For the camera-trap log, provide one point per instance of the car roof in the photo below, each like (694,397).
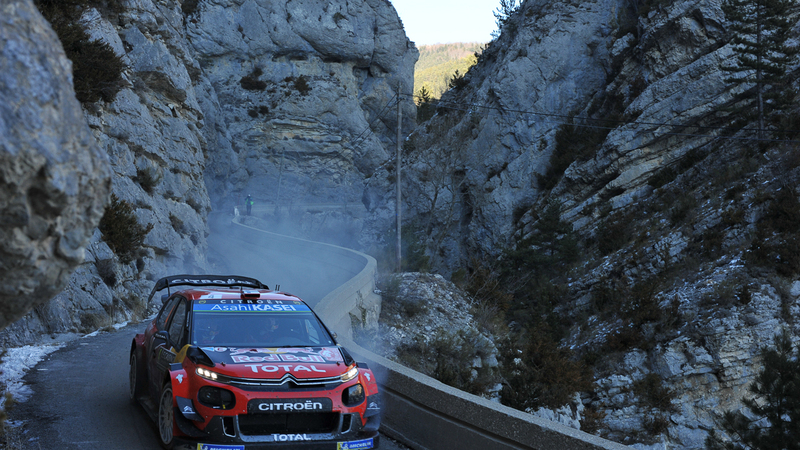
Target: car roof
(222,287)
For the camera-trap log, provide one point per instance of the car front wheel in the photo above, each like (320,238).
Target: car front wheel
(165,418)
(136,378)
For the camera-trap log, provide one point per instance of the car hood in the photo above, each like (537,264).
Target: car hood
(301,362)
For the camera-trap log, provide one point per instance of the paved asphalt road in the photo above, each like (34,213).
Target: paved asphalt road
(80,392)
(80,399)
(309,279)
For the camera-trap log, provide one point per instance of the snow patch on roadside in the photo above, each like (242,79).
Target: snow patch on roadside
(16,362)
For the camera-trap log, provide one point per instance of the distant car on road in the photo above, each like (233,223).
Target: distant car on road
(230,364)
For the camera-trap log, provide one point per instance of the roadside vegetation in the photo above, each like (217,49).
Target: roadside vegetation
(122,231)
(771,415)
(97,69)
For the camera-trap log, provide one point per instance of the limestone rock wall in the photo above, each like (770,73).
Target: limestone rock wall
(151,134)
(299,88)
(554,63)
(54,178)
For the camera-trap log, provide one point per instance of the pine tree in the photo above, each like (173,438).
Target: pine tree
(760,30)
(425,107)
(501,15)
(773,422)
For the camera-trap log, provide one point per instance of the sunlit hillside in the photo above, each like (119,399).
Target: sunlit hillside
(437,63)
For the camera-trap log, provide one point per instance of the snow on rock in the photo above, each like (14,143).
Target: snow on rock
(424,316)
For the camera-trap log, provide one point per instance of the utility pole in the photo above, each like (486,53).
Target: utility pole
(397,165)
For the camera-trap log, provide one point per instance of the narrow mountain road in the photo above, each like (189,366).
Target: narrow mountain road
(80,399)
(80,392)
(308,279)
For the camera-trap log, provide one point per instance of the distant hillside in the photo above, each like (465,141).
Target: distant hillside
(438,62)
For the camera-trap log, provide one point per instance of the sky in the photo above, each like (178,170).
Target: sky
(443,21)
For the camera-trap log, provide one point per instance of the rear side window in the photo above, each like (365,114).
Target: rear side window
(176,326)
(161,321)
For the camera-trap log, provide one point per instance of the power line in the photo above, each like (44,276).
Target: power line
(582,122)
(568,120)
(377,117)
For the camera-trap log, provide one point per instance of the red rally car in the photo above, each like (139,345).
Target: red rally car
(230,364)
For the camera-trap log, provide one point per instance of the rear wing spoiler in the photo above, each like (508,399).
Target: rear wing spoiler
(205,280)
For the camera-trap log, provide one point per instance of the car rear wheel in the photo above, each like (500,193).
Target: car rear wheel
(136,378)
(166,420)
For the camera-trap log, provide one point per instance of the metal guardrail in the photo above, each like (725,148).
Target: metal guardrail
(422,412)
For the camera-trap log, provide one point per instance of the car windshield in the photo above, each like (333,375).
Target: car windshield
(240,329)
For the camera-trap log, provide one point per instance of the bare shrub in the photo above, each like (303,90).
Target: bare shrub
(251,82)
(121,231)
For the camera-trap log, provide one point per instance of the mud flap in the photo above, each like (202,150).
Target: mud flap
(186,408)
(373,413)
(186,426)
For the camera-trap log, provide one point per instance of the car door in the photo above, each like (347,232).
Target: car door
(156,344)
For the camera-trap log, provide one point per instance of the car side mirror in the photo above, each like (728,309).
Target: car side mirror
(162,335)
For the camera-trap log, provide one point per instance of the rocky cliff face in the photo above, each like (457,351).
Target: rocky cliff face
(275,99)
(151,134)
(660,191)
(53,176)
(559,63)
(298,88)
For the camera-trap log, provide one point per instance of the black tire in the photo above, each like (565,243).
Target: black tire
(166,420)
(136,378)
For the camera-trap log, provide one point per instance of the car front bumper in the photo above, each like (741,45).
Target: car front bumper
(370,443)
(229,433)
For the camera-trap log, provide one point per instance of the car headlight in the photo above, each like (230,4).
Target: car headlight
(353,395)
(207,374)
(350,374)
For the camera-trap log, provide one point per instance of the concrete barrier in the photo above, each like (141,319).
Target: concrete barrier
(426,414)
(420,411)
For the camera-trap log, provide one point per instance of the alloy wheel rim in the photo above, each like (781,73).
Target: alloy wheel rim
(165,416)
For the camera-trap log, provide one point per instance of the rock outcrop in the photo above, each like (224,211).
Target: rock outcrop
(301,91)
(54,178)
(556,64)
(431,326)
(151,133)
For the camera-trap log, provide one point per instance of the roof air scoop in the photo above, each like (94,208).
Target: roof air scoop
(250,295)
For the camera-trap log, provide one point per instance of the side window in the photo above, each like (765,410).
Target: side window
(176,326)
(161,322)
